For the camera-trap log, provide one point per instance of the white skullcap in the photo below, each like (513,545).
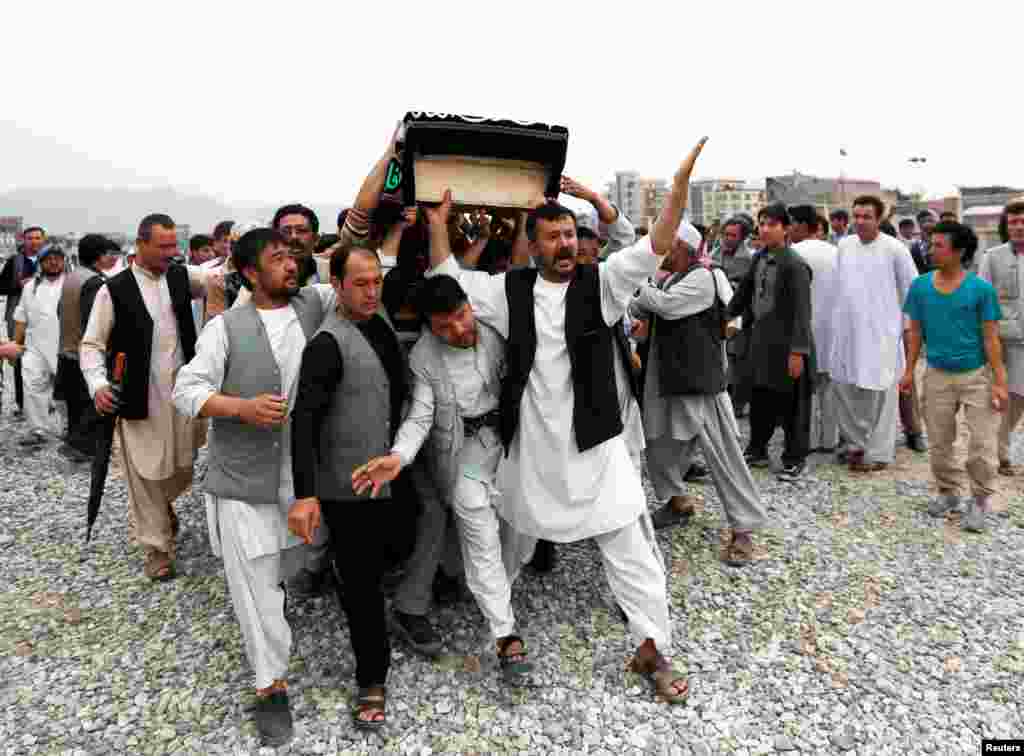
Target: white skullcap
(688,233)
(588,221)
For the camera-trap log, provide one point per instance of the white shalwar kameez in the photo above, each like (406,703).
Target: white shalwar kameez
(821,257)
(37,309)
(258,550)
(866,358)
(473,495)
(549,488)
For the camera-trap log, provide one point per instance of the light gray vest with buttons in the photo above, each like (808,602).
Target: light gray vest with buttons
(358,423)
(245,460)
(447,436)
(1007,275)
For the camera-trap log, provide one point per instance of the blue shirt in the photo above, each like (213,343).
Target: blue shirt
(951,324)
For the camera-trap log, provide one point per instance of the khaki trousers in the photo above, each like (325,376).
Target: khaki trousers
(150,503)
(1009,421)
(945,393)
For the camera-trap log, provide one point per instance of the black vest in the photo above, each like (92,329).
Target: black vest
(133,333)
(626,353)
(690,359)
(596,415)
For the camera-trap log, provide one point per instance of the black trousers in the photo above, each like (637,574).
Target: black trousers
(83,420)
(366,536)
(792,410)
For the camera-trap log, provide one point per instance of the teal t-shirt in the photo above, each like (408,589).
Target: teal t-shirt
(951,324)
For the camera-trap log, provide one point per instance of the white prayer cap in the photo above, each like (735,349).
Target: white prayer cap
(688,233)
(587,220)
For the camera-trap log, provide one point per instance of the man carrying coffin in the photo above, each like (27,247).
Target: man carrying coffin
(567,475)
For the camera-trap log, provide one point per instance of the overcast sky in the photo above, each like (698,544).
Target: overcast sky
(264,101)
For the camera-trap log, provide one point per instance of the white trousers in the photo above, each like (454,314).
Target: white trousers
(38,380)
(636,575)
(481,531)
(258,598)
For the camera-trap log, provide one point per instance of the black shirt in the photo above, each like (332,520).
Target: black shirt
(321,371)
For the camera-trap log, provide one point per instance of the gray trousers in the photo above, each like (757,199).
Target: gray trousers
(669,458)
(868,420)
(437,544)
(824,422)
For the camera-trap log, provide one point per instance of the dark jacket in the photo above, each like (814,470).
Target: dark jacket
(782,331)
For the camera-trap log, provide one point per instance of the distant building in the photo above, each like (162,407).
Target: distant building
(11,227)
(984,219)
(987,196)
(640,199)
(826,194)
(718,199)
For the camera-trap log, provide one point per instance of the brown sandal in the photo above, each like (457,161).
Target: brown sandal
(159,566)
(369,702)
(659,672)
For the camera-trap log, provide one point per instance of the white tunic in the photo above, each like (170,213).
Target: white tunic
(549,488)
(37,309)
(821,257)
(870,286)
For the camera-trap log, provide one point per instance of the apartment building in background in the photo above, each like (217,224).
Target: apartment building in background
(718,199)
(639,198)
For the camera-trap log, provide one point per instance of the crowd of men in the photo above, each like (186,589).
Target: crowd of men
(434,398)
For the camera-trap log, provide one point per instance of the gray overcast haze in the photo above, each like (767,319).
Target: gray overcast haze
(260,103)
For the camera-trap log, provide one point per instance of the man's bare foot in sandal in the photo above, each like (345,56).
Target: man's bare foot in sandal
(668,684)
(512,659)
(371,708)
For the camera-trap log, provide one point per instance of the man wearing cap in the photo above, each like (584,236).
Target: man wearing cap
(685,398)
(96,255)
(37,327)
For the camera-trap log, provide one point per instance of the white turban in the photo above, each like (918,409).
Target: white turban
(688,233)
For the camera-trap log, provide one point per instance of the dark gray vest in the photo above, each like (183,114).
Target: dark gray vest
(358,423)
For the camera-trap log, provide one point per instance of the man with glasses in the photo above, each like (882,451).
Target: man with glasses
(300,226)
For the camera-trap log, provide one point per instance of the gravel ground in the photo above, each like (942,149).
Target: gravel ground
(866,627)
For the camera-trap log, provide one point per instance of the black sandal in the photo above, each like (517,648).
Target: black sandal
(367,702)
(514,667)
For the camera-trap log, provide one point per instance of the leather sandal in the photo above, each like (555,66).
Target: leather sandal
(159,566)
(372,703)
(658,671)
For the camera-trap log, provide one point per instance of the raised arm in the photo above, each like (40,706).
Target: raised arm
(664,231)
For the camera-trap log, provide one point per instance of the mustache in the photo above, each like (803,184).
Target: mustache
(565,253)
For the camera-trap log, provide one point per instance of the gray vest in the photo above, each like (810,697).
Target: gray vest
(1006,273)
(245,460)
(358,423)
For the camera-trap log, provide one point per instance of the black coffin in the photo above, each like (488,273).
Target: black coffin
(485,162)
